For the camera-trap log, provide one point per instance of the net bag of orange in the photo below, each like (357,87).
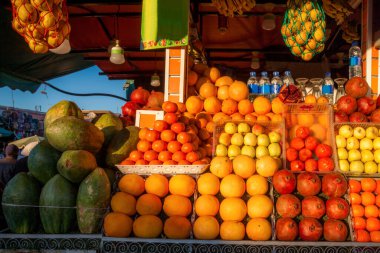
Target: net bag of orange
(43,23)
(303,28)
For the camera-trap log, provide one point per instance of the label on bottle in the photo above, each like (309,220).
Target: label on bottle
(355,60)
(275,89)
(253,88)
(265,89)
(327,89)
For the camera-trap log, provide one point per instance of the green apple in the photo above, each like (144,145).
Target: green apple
(263,140)
(274,150)
(372,132)
(357,166)
(370,167)
(233,151)
(346,131)
(376,155)
(250,139)
(352,143)
(274,137)
(237,139)
(341,142)
(359,132)
(376,143)
(221,150)
(367,156)
(354,155)
(342,154)
(244,128)
(249,151)
(366,144)
(261,151)
(225,139)
(344,165)
(230,128)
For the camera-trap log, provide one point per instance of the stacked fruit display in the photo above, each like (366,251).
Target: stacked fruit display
(304,202)
(365,204)
(358,148)
(151,207)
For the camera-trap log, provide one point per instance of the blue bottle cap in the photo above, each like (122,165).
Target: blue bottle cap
(276,73)
(328,74)
(288,73)
(264,73)
(355,43)
(252,74)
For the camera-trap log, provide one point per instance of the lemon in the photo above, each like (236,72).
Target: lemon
(301,38)
(296,50)
(290,41)
(307,26)
(319,35)
(311,44)
(307,6)
(315,15)
(307,55)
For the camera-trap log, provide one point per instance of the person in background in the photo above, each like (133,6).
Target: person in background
(22,163)
(7,164)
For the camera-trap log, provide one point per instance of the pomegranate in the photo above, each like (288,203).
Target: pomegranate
(375,116)
(308,184)
(337,208)
(156,98)
(290,94)
(335,230)
(334,185)
(284,181)
(313,207)
(358,117)
(357,87)
(366,105)
(140,96)
(288,205)
(340,117)
(286,229)
(347,104)
(129,109)
(310,229)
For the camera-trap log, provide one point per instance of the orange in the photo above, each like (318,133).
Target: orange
(244,166)
(260,206)
(177,227)
(368,184)
(278,107)
(127,162)
(362,236)
(359,223)
(322,100)
(143,131)
(206,205)
(177,205)
(132,184)
(148,204)
(232,230)
(169,106)
(184,162)
(220,117)
(143,145)
(355,186)
(319,132)
(305,119)
(183,137)
(168,135)
(368,198)
(257,184)
(259,229)
(192,156)
(324,120)
(178,127)
(204,122)
(213,73)
(178,156)
(310,99)
(157,184)
(200,82)
(192,78)
(250,118)
(136,155)
(206,228)
(262,105)
(152,135)
(194,104)
(232,209)
(182,185)
(357,210)
(169,162)
(375,236)
(150,155)
(371,211)
(208,183)
(117,225)
(238,91)
(373,224)
(207,90)
(232,186)
(355,198)
(142,161)
(155,162)
(123,203)
(237,116)
(203,134)
(224,81)
(164,156)
(222,93)
(377,191)
(229,106)
(147,226)
(245,107)
(159,145)
(221,166)
(377,202)
(170,117)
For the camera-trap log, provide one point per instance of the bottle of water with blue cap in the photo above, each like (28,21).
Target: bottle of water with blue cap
(264,84)
(276,84)
(328,87)
(252,83)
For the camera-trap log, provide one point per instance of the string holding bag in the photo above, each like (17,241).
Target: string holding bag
(43,24)
(304,28)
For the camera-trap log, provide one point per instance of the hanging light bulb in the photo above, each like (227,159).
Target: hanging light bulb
(269,22)
(111,45)
(64,48)
(155,80)
(117,54)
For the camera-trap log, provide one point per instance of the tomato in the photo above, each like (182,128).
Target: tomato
(313,207)
(334,185)
(305,154)
(337,208)
(286,229)
(308,184)
(326,164)
(284,181)
(297,165)
(310,229)
(335,230)
(302,132)
(311,165)
(288,205)
(311,142)
(291,154)
(323,150)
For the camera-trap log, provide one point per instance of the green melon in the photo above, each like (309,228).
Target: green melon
(61,109)
(109,124)
(75,165)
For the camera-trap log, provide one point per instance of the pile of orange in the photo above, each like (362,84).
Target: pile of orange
(138,207)
(365,209)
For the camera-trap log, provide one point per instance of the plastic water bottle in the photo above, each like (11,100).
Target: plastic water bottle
(288,79)
(355,54)
(252,83)
(264,84)
(276,84)
(328,87)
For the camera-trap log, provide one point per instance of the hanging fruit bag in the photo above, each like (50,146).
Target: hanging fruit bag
(303,28)
(43,23)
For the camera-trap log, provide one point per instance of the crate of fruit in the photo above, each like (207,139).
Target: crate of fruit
(163,169)
(358,148)
(309,138)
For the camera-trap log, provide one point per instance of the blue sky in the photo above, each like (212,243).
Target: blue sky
(84,81)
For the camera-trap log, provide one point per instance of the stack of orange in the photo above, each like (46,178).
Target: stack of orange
(139,205)
(365,204)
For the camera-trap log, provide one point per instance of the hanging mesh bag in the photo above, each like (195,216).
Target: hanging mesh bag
(303,28)
(43,23)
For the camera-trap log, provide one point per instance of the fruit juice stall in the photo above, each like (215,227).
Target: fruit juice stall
(212,162)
